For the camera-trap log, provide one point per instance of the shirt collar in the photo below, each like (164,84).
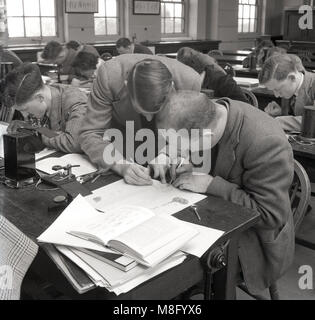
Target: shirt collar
(300,85)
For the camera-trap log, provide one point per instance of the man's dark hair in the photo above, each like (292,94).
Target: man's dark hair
(52,50)
(75,45)
(123,42)
(85,61)
(22,83)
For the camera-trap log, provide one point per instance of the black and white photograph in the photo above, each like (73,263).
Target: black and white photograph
(157,156)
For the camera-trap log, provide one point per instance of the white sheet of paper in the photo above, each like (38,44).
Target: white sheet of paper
(200,244)
(44,153)
(160,198)
(3,130)
(78,209)
(86,167)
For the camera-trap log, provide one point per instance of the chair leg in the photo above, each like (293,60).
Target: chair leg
(273,291)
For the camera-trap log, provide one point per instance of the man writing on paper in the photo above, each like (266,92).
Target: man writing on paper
(251,165)
(132,87)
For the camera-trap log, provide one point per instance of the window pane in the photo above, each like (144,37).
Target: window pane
(100,28)
(240,11)
(14,8)
(179,26)
(111,8)
(31,8)
(246,11)
(162,26)
(252,2)
(32,27)
(178,10)
(169,10)
(240,25)
(101,9)
(253,25)
(246,25)
(15,27)
(112,26)
(48,27)
(47,8)
(253,12)
(169,25)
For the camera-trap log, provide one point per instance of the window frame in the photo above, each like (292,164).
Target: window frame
(186,22)
(260,13)
(59,8)
(102,38)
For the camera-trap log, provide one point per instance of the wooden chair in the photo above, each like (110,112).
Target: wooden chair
(250,97)
(300,194)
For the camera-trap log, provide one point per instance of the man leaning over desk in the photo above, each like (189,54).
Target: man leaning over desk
(251,165)
(132,87)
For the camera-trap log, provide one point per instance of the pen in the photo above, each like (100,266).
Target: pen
(194,207)
(177,167)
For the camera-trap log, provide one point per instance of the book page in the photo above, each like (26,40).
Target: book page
(160,198)
(106,226)
(86,167)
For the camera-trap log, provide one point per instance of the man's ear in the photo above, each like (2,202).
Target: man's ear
(39,97)
(292,76)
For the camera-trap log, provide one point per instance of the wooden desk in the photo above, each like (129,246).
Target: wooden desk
(28,209)
(231,59)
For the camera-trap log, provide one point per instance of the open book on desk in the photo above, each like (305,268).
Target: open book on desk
(136,232)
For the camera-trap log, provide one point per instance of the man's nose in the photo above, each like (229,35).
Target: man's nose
(149,117)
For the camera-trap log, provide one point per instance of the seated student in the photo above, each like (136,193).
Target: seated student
(287,78)
(54,52)
(211,76)
(106,56)
(58,108)
(72,44)
(251,165)
(85,67)
(131,87)
(9,56)
(124,45)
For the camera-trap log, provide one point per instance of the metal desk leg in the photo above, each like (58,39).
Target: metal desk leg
(224,280)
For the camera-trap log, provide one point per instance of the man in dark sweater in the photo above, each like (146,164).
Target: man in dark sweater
(124,45)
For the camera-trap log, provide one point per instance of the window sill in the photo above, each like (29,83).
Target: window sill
(176,38)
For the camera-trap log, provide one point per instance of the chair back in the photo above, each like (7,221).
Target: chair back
(300,194)
(250,97)
(16,255)
(213,53)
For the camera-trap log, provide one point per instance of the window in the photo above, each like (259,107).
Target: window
(107,19)
(31,18)
(173,17)
(248,16)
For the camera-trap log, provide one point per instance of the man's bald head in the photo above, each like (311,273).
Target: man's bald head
(187,110)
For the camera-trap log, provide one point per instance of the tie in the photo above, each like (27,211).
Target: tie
(292,103)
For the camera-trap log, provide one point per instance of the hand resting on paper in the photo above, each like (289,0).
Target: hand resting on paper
(273,109)
(193,182)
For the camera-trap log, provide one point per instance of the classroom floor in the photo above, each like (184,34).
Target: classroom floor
(288,285)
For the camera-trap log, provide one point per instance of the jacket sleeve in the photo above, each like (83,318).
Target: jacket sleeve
(98,118)
(268,174)
(75,109)
(225,86)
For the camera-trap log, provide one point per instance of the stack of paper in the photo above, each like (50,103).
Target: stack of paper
(148,235)
(165,242)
